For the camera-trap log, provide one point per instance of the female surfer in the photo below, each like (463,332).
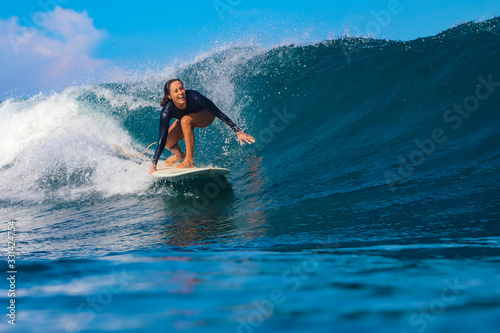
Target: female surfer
(191,109)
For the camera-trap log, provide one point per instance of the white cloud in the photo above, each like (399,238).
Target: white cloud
(54,53)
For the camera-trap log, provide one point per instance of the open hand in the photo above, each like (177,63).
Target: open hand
(244,137)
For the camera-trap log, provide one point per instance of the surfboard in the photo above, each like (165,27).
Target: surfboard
(188,173)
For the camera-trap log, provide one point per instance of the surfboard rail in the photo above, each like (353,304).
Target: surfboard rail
(195,172)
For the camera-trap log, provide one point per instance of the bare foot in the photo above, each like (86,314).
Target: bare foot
(186,164)
(173,159)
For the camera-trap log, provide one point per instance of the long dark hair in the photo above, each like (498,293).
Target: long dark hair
(166,90)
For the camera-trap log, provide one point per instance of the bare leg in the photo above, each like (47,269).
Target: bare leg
(189,122)
(175,135)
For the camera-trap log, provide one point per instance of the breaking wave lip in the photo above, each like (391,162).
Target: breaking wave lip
(60,147)
(56,148)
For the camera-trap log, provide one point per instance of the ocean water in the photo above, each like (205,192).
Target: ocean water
(369,203)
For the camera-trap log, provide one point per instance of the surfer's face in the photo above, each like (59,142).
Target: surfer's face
(177,93)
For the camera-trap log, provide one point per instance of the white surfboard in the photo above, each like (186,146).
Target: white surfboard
(175,174)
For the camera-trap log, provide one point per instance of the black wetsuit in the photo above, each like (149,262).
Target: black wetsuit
(195,102)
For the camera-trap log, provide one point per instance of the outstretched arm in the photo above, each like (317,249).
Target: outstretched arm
(213,109)
(162,140)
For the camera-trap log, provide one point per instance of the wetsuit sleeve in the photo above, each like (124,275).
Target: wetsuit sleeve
(213,109)
(165,118)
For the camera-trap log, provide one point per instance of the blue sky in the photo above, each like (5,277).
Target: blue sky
(50,44)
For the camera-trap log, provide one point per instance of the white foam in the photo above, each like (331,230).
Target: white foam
(119,100)
(61,146)
(54,148)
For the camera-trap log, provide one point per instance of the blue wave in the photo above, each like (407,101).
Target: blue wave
(337,116)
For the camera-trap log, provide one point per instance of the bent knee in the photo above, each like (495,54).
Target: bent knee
(186,121)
